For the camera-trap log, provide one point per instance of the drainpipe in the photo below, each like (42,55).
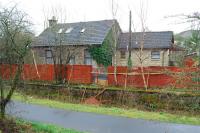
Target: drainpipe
(163,58)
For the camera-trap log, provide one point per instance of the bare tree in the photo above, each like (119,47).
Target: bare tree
(140,54)
(115,34)
(14,41)
(61,54)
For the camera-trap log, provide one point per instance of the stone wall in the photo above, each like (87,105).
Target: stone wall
(153,100)
(39,53)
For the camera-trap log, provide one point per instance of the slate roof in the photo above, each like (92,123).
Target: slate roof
(158,40)
(94,33)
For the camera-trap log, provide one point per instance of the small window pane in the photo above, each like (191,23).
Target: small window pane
(87,54)
(122,54)
(83,30)
(88,61)
(48,54)
(49,61)
(155,55)
(72,60)
(69,30)
(60,31)
(87,58)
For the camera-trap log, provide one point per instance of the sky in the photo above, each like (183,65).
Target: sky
(158,14)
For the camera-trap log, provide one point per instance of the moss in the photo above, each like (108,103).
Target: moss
(152,102)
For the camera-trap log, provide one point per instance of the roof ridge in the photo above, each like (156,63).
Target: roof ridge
(148,32)
(86,21)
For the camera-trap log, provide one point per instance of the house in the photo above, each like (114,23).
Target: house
(158,49)
(71,41)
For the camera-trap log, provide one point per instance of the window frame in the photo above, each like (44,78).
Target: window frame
(72,60)
(122,56)
(69,30)
(48,59)
(155,56)
(87,56)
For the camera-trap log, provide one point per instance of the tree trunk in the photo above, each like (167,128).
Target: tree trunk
(143,77)
(115,69)
(3,109)
(2,104)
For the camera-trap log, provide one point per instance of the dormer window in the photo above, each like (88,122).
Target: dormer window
(83,30)
(69,30)
(60,30)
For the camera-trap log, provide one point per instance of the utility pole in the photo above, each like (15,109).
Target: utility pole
(130,33)
(129,63)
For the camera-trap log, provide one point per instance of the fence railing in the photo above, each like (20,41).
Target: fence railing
(44,72)
(154,76)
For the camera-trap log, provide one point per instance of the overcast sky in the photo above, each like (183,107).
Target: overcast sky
(89,10)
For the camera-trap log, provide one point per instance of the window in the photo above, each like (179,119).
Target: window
(60,31)
(155,54)
(87,57)
(83,30)
(122,54)
(72,60)
(48,56)
(69,30)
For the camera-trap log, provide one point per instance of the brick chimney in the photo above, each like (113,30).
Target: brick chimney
(52,21)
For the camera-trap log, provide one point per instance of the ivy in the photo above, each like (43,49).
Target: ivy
(130,64)
(103,54)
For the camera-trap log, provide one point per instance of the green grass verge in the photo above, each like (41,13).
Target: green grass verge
(39,127)
(131,113)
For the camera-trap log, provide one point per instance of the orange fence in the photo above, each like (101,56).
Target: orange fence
(154,76)
(79,74)
(8,71)
(74,73)
(39,72)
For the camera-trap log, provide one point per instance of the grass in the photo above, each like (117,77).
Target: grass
(39,127)
(131,113)
(176,91)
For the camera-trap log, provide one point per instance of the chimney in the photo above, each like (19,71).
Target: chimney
(52,21)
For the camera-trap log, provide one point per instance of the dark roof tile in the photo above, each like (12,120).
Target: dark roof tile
(151,39)
(95,33)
